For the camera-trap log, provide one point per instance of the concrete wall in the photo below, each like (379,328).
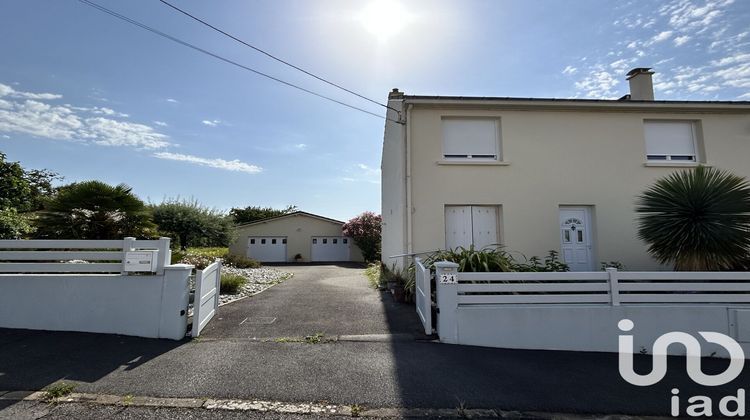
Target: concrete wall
(554,157)
(144,306)
(393,188)
(299,230)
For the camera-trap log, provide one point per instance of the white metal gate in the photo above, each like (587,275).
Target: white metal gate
(423,295)
(207,283)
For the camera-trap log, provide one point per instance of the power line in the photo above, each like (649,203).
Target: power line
(226,60)
(266,53)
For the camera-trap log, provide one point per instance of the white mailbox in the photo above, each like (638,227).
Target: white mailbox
(141,261)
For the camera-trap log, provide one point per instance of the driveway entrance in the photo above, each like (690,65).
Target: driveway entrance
(329,299)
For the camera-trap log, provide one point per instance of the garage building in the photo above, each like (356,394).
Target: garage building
(280,239)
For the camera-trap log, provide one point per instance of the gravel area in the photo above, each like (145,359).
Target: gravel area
(258,280)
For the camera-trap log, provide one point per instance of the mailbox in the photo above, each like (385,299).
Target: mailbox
(141,261)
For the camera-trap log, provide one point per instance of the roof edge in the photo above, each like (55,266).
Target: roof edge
(296,213)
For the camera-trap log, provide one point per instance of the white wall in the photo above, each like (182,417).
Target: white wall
(393,188)
(145,306)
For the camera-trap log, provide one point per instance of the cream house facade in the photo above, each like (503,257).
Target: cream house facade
(544,174)
(280,239)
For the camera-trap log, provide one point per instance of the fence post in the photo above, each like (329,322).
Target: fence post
(174,301)
(614,286)
(446,288)
(165,255)
(128,244)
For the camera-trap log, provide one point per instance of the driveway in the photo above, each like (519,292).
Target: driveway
(233,361)
(329,299)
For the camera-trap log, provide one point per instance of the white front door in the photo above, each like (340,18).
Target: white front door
(471,225)
(267,248)
(576,239)
(330,248)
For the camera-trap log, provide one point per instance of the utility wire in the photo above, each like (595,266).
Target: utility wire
(226,60)
(266,53)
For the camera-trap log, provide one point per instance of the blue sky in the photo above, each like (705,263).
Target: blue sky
(91,97)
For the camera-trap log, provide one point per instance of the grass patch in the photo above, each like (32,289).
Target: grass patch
(356,410)
(375,275)
(58,390)
(316,338)
(231,284)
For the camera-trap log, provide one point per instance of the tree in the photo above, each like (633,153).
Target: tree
(365,232)
(254,213)
(13,225)
(94,210)
(192,224)
(697,220)
(21,189)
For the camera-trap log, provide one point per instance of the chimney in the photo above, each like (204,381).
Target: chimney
(395,94)
(641,86)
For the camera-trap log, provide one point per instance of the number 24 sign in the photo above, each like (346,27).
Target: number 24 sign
(448,278)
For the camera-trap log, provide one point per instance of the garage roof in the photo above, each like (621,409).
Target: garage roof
(296,213)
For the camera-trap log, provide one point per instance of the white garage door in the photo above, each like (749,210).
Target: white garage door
(330,248)
(267,248)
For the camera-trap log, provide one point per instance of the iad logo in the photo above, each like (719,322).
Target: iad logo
(700,405)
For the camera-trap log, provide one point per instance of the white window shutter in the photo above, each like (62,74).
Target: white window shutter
(464,137)
(669,138)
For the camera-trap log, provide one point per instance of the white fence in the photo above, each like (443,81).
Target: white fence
(580,311)
(423,294)
(207,285)
(75,285)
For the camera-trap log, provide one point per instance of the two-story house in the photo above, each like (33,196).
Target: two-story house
(539,174)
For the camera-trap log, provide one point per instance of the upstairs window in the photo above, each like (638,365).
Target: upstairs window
(673,141)
(471,139)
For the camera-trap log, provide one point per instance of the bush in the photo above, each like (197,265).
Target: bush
(365,232)
(199,257)
(231,284)
(238,261)
(14,225)
(191,224)
(551,263)
(377,275)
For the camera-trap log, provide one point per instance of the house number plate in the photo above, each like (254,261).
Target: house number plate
(448,278)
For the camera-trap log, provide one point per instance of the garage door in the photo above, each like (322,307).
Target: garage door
(330,248)
(267,248)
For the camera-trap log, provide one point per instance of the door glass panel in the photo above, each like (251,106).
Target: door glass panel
(263,241)
(566,236)
(273,241)
(315,240)
(252,241)
(580,236)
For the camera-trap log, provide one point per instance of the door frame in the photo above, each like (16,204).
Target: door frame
(588,214)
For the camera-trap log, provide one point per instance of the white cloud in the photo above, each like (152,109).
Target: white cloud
(67,122)
(660,37)
(211,123)
(228,165)
(174,101)
(744,96)
(737,58)
(569,70)
(161,123)
(681,40)
(632,45)
(599,83)
(5,136)
(300,146)
(8,91)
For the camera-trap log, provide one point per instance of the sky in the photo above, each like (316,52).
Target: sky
(92,97)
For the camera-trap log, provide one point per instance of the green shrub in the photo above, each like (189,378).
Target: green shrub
(239,261)
(199,257)
(474,260)
(231,284)
(551,263)
(376,275)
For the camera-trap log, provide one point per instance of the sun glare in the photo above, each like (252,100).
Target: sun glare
(384,18)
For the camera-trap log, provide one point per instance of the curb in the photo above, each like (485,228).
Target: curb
(320,409)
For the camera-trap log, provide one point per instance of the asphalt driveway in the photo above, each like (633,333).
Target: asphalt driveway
(232,360)
(331,300)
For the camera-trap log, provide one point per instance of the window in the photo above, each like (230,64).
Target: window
(315,240)
(263,241)
(283,241)
(252,241)
(471,138)
(325,240)
(335,241)
(345,240)
(673,141)
(273,241)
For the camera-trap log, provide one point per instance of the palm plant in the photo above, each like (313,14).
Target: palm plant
(94,210)
(698,220)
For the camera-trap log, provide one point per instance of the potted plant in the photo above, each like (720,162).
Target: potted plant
(298,258)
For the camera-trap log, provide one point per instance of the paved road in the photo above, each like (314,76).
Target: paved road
(229,363)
